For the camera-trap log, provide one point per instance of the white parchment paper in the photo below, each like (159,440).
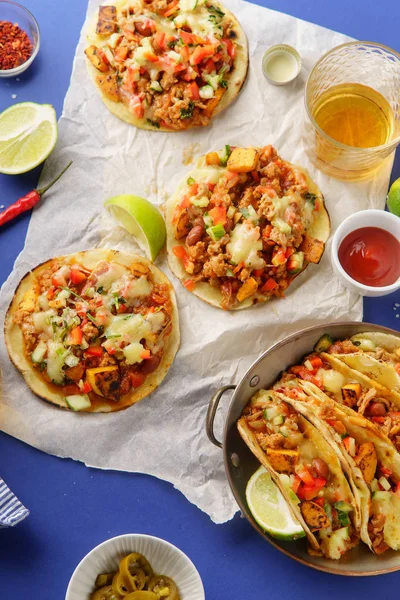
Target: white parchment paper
(164,435)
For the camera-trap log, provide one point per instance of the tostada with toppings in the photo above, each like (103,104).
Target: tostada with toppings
(243,225)
(93,331)
(166,65)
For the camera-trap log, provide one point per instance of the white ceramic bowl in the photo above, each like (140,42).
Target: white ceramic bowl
(364,218)
(165,559)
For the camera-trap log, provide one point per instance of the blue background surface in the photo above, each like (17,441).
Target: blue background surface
(74,508)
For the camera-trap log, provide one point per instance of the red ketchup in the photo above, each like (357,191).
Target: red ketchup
(371,256)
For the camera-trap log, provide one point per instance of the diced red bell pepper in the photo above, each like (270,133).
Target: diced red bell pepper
(258,272)
(145,354)
(305,475)
(307,375)
(137,379)
(200,53)
(269,285)
(94,351)
(218,215)
(194,90)
(75,336)
(189,285)
(316,362)
(86,388)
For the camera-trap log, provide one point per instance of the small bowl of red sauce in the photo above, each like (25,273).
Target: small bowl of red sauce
(366,252)
(19,38)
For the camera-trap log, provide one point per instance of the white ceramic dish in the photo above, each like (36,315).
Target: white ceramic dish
(165,559)
(364,218)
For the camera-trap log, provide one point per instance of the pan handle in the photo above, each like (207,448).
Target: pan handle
(212,409)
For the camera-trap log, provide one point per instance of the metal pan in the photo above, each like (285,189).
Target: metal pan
(240,463)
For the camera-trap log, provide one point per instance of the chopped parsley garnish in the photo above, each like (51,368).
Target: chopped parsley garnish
(223,83)
(89,316)
(171,44)
(310,198)
(190,181)
(100,290)
(42,365)
(67,289)
(187,113)
(216,11)
(153,123)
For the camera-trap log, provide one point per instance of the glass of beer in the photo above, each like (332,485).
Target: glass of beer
(352,102)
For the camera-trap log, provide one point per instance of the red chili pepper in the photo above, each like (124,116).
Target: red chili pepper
(29,201)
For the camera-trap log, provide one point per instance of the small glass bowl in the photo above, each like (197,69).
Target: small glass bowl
(15,13)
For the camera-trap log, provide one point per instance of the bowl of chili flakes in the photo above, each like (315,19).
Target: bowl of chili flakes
(19,38)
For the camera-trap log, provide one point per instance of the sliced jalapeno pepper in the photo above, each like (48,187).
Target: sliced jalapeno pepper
(164,587)
(105,593)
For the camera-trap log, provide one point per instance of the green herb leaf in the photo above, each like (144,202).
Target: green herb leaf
(216,11)
(100,290)
(89,316)
(223,83)
(310,198)
(187,113)
(67,289)
(153,123)
(229,273)
(190,181)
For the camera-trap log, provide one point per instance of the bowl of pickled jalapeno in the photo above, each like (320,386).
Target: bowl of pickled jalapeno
(135,567)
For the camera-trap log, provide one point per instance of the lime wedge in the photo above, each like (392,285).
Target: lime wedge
(270,509)
(142,219)
(28,133)
(393,198)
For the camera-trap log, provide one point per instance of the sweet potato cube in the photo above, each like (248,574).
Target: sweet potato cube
(109,86)
(314,515)
(212,158)
(107,23)
(351,393)
(97,62)
(367,460)
(282,460)
(213,103)
(248,289)
(243,160)
(313,249)
(105,381)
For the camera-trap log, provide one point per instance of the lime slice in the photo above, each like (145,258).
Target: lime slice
(28,133)
(393,198)
(142,219)
(270,509)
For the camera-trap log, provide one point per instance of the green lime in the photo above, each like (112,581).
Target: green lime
(393,198)
(270,509)
(142,219)
(28,133)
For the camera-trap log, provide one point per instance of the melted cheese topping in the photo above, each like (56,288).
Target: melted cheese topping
(244,246)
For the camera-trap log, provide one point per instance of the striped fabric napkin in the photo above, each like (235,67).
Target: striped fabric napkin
(11,509)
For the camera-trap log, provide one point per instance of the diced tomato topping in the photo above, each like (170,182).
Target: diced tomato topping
(316,362)
(121,53)
(86,388)
(76,276)
(194,90)
(255,176)
(136,106)
(184,52)
(75,336)
(111,350)
(145,354)
(394,414)
(307,375)
(211,186)
(193,191)
(230,47)
(71,389)
(218,215)
(296,483)
(122,308)
(258,272)
(209,66)
(51,292)
(278,258)
(200,53)
(305,476)
(137,379)
(289,252)
(159,40)
(102,56)
(151,57)
(187,38)
(58,280)
(94,351)
(269,285)
(398,488)
(385,471)
(267,232)
(231,175)
(189,285)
